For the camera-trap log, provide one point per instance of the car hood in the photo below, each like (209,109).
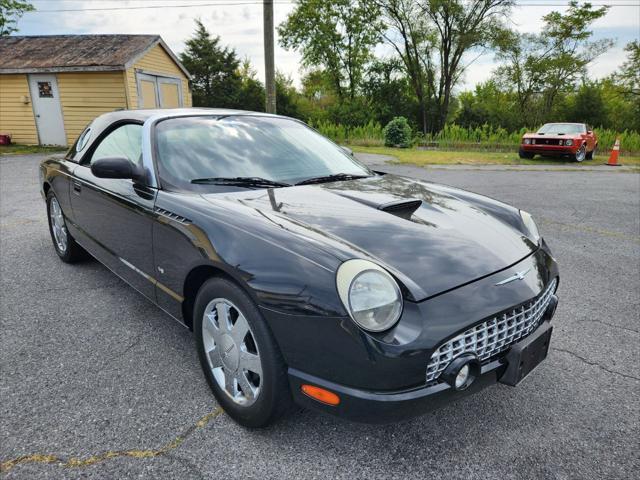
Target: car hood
(553,135)
(433,238)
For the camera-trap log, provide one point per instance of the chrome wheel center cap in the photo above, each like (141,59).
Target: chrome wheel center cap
(229,352)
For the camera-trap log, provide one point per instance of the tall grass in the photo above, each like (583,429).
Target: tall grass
(455,137)
(368,135)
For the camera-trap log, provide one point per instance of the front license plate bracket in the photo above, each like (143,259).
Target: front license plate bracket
(526,355)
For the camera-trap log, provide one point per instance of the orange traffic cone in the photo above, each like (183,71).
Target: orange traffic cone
(615,151)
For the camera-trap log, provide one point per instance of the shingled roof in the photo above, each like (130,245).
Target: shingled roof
(73,53)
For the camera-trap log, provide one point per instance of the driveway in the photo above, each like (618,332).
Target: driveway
(98,383)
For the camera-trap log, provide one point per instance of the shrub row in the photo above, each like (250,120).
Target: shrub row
(456,137)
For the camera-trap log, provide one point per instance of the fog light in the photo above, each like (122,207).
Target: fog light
(462,377)
(462,371)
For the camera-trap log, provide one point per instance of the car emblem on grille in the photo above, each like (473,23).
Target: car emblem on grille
(516,276)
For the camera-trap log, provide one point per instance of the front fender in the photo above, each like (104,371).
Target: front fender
(283,273)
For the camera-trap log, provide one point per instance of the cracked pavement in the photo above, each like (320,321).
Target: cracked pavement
(95,382)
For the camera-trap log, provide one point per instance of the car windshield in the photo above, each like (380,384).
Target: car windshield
(253,149)
(561,128)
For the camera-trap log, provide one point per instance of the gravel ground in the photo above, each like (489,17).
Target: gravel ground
(98,383)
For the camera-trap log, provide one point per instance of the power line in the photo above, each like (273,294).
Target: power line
(148,7)
(228,3)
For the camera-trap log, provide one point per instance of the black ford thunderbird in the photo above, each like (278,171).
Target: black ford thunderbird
(305,276)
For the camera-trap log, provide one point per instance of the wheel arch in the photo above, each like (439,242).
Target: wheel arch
(196,277)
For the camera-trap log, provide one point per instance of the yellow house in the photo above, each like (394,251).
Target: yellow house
(52,86)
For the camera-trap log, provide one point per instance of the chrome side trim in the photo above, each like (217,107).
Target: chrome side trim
(182,324)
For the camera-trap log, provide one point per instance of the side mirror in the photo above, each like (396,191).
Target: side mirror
(115,167)
(348,151)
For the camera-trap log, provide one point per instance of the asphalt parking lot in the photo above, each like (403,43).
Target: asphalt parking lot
(98,383)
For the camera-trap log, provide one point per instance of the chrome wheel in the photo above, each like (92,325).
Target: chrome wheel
(231,351)
(58,226)
(581,153)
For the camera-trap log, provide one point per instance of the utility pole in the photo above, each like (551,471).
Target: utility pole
(269,67)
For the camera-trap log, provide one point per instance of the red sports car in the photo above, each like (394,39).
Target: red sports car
(575,140)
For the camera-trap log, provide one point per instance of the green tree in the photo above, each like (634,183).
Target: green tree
(10,13)
(433,38)
(337,36)
(588,105)
(488,104)
(414,41)
(460,27)
(390,93)
(252,93)
(540,66)
(216,81)
(317,95)
(287,97)
(629,76)
(622,91)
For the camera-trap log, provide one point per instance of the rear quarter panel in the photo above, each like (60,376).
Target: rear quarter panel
(56,173)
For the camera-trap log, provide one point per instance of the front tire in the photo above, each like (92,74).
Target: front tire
(527,155)
(580,154)
(64,244)
(239,356)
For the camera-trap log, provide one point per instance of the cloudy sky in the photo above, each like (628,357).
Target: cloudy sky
(239,24)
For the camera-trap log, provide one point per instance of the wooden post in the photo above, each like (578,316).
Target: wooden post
(269,63)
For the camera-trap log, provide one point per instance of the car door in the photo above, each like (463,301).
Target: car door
(116,215)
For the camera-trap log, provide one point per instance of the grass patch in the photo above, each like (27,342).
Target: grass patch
(442,157)
(19,149)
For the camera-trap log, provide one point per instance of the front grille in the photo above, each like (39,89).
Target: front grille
(489,338)
(546,141)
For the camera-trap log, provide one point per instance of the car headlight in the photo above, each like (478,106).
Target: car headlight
(531,226)
(527,141)
(370,294)
(568,143)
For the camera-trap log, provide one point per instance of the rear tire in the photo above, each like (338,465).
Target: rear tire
(245,371)
(592,153)
(64,244)
(527,155)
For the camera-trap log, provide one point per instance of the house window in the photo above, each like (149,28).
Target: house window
(45,90)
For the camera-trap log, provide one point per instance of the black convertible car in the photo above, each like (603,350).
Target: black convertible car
(305,276)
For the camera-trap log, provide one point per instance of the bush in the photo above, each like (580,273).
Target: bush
(397,133)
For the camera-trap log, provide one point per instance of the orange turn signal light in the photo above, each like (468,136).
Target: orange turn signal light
(320,394)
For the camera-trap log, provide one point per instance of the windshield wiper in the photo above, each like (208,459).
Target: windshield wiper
(331,178)
(240,182)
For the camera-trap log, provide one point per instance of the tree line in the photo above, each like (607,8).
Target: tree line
(539,77)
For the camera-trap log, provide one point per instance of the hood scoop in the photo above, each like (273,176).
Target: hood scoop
(401,208)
